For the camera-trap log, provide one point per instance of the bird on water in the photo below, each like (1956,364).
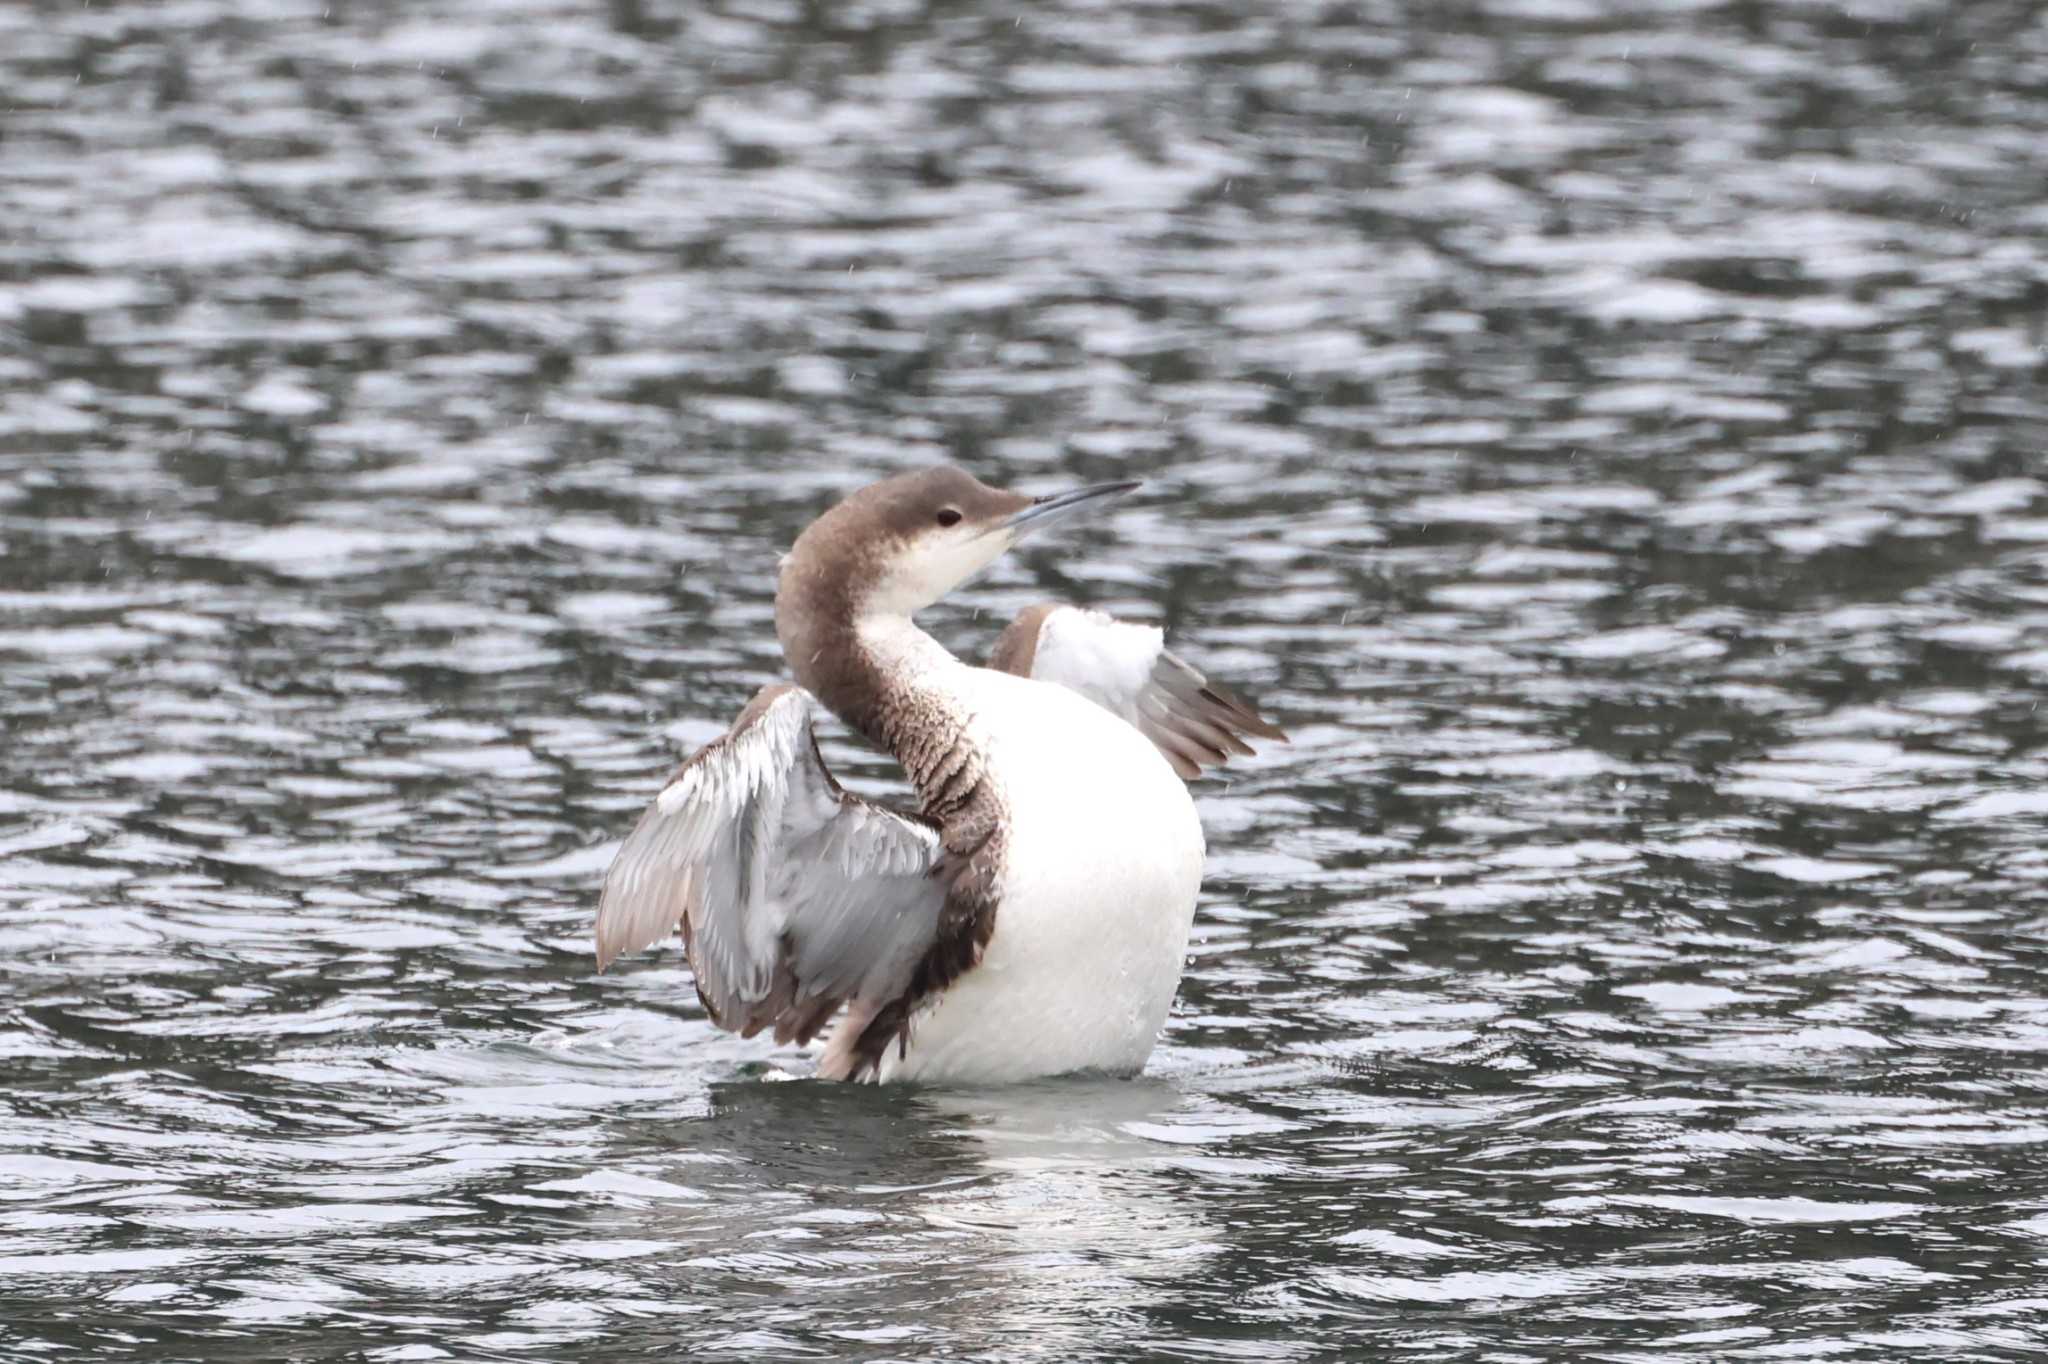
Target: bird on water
(1031,915)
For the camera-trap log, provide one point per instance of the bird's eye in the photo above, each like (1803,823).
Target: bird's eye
(949,516)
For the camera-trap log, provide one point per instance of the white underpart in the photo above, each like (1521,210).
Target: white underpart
(1101,872)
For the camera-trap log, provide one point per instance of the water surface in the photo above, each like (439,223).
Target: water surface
(1608,437)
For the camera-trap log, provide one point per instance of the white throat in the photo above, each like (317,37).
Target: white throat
(905,654)
(929,566)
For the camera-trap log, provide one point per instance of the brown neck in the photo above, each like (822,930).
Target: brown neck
(884,678)
(835,665)
(815,611)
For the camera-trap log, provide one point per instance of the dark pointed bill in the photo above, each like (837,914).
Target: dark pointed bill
(1056,507)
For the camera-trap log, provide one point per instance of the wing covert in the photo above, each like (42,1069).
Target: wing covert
(793,896)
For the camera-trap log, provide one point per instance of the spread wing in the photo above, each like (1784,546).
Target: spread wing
(1129,670)
(793,896)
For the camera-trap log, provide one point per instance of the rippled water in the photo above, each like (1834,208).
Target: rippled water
(1611,439)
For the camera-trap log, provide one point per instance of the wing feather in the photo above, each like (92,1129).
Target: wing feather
(1128,670)
(792,895)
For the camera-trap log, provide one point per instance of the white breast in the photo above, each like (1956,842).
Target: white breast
(1101,873)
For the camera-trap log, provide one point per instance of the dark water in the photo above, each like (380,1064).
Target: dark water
(1611,438)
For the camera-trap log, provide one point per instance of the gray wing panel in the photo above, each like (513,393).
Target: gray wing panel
(792,896)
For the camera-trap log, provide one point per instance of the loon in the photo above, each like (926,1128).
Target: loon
(1030,917)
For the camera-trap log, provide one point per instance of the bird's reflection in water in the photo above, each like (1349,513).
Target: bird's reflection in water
(1041,1213)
